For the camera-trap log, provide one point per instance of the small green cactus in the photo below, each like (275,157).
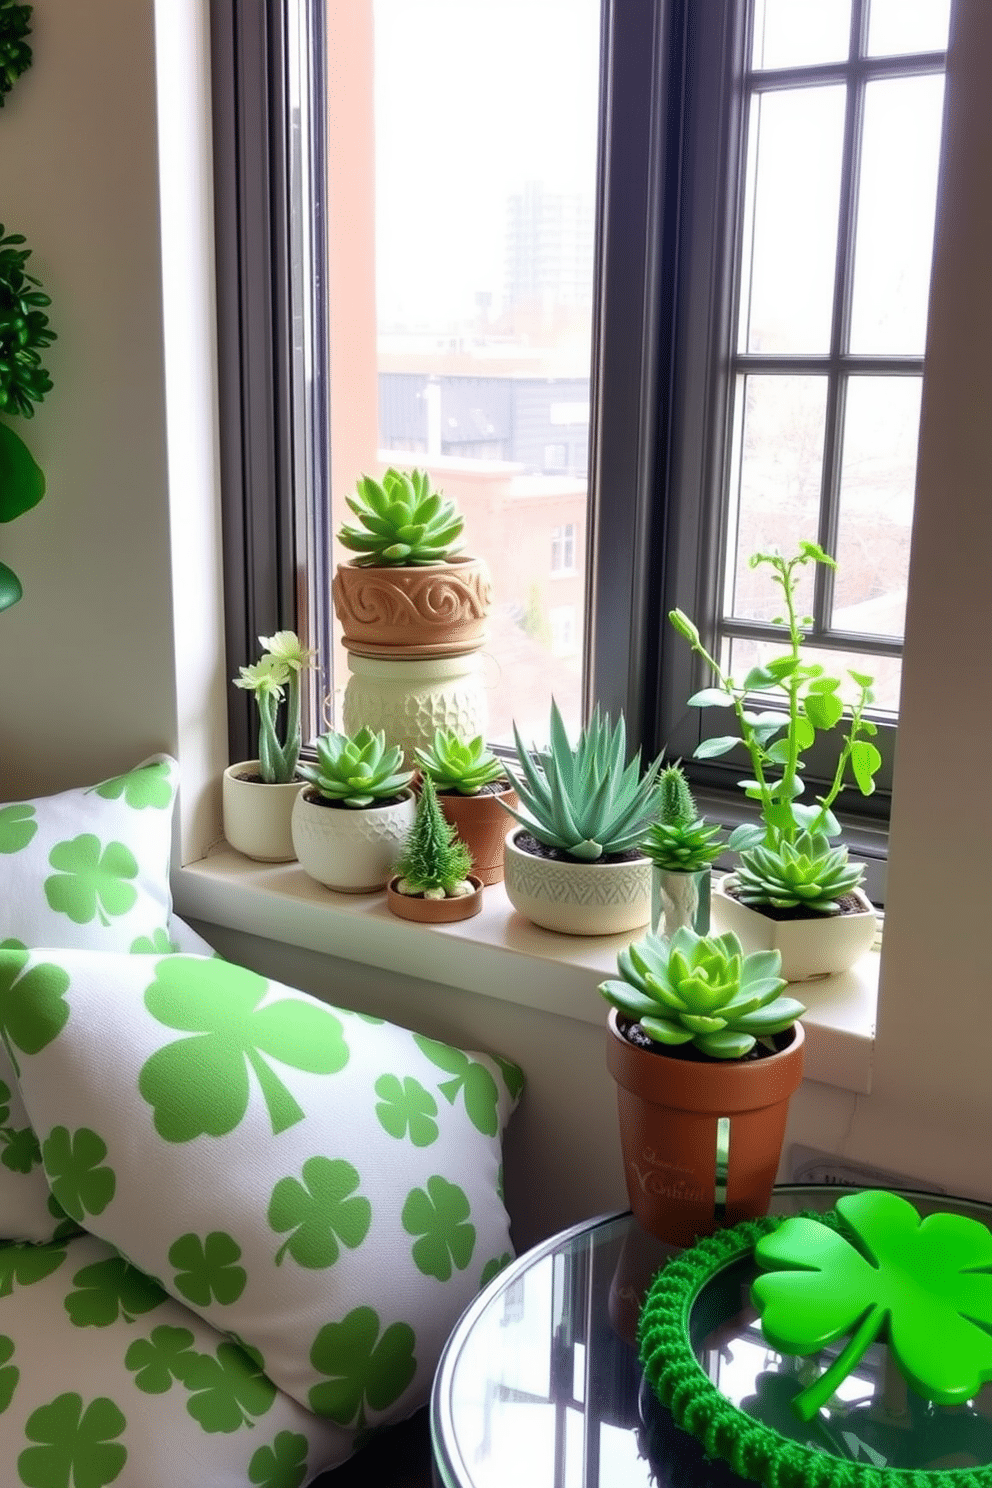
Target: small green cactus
(680,841)
(703,990)
(460,765)
(807,873)
(434,861)
(358,771)
(403,521)
(584,800)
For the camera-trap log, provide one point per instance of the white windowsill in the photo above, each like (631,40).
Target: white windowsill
(497,953)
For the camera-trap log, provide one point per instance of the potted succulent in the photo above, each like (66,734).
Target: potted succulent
(682,847)
(351,818)
(574,862)
(432,880)
(706,1053)
(793,889)
(259,794)
(472,787)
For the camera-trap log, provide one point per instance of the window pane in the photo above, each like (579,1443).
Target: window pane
(896,205)
(797,33)
(878,479)
(886,670)
(790,235)
(907,26)
(778,470)
(479,213)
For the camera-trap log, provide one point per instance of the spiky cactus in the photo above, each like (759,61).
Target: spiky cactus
(703,990)
(403,521)
(357,771)
(680,841)
(434,861)
(807,873)
(458,764)
(583,799)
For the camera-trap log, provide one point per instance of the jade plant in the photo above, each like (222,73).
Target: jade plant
(585,800)
(781,707)
(273,678)
(702,990)
(357,770)
(434,861)
(680,841)
(402,521)
(462,765)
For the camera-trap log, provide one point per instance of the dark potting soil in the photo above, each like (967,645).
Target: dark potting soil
(314,798)
(634,1034)
(254,778)
(529,844)
(491,788)
(849,904)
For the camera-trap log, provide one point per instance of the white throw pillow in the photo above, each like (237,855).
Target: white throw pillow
(324,1186)
(106,1380)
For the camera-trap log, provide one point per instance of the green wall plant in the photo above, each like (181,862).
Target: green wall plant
(15,54)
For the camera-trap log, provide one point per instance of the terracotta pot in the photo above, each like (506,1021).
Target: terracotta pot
(669,1111)
(480,822)
(577,898)
(434,911)
(438,609)
(819,946)
(353,851)
(257,815)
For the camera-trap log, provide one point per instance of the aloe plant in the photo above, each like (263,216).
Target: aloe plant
(458,764)
(703,990)
(403,521)
(357,770)
(680,841)
(584,799)
(807,873)
(434,861)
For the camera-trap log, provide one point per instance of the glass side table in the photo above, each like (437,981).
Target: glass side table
(539,1385)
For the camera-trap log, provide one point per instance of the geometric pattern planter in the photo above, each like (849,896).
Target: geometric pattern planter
(577,898)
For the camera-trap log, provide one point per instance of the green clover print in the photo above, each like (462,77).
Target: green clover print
(111,1289)
(362,1368)
(159,1359)
(9,1373)
(199,1086)
(208,1269)
(471,1079)
(320,1212)
(17,827)
(33,1009)
(157,944)
(78,1445)
(76,1172)
(513,1075)
(91,882)
(23,1265)
(149,786)
(283,1465)
(926,1285)
(493,1268)
(21,1149)
(439,1216)
(226,1388)
(406,1107)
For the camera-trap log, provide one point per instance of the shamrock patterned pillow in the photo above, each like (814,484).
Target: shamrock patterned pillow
(90,867)
(105,1379)
(325,1186)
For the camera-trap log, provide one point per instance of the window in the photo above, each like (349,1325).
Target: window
(746,279)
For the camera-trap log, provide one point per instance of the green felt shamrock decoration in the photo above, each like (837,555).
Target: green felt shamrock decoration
(925,1286)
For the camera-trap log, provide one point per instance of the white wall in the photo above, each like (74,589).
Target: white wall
(88,661)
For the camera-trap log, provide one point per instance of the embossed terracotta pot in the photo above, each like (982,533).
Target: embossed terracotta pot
(353,851)
(438,609)
(677,1114)
(577,898)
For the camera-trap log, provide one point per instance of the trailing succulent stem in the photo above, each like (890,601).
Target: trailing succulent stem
(357,771)
(434,861)
(273,678)
(680,841)
(403,521)
(584,800)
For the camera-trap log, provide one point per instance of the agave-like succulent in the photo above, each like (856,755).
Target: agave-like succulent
(463,765)
(584,800)
(358,770)
(807,873)
(404,521)
(703,990)
(680,841)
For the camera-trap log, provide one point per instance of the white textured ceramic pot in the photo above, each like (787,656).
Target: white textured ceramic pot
(257,816)
(577,898)
(810,948)
(410,699)
(351,850)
